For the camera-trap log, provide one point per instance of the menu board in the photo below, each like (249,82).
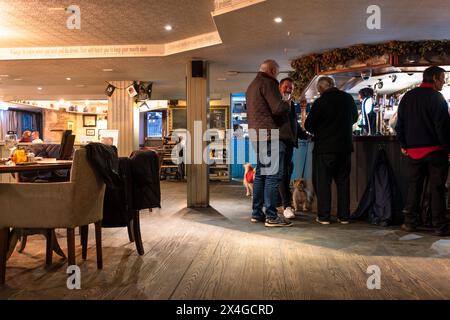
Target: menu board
(179,118)
(218,118)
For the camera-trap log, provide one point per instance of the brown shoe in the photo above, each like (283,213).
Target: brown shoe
(408,228)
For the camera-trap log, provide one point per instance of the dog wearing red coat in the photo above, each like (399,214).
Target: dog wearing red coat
(249,178)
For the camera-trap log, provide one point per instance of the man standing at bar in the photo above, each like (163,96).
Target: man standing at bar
(331,121)
(423,129)
(266,111)
(290,132)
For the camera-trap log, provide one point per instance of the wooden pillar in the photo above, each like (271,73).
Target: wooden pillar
(123,116)
(197,101)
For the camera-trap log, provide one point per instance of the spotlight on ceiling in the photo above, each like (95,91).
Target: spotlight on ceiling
(278,20)
(168,27)
(110,90)
(379,84)
(39,88)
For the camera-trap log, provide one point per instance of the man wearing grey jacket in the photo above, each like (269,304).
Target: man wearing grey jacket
(266,112)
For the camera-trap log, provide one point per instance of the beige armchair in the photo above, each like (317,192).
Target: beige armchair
(54,205)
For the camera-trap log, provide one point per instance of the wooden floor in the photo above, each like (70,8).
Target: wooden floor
(220,255)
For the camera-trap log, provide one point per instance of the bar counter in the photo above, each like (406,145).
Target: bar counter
(363,158)
(366,149)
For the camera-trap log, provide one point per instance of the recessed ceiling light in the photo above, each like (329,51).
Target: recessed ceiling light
(168,27)
(221,79)
(18,79)
(80,86)
(68,79)
(108,70)
(278,20)
(39,88)
(4,75)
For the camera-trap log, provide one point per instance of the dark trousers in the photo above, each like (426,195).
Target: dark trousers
(285,184)
(326,168)
(435,166)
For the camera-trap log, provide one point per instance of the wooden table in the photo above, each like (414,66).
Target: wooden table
(16,234)
(38,166)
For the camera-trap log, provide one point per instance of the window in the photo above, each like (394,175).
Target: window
(154,124)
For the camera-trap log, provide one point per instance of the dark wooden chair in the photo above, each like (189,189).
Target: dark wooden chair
(118,210)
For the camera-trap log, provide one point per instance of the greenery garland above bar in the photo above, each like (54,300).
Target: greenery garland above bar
(305,67)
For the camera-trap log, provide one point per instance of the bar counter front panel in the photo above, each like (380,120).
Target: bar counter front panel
(363,158)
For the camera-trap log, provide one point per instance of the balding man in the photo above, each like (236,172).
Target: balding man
(267,111)
(331,121)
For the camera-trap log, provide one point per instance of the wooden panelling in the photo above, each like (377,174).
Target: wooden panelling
(124,117)
(197,110)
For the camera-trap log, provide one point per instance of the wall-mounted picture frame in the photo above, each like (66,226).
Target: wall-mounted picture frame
(218,117)
(108,137)
(89,120)
(90,132)
(70,125)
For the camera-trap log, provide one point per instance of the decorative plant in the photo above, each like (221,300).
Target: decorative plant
(305,67)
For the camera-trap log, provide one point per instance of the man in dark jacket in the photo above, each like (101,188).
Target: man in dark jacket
(291,131)
(331,121)
(266,112)
(423,129)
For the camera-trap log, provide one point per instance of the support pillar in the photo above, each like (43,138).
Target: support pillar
(123,116)
(197,101)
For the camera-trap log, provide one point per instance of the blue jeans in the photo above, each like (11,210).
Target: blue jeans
(265,187)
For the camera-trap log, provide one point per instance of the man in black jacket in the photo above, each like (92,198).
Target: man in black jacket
(423,129)
(331,121)
(291,131)
(267,111)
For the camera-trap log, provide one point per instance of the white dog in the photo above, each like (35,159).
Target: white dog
(249,177)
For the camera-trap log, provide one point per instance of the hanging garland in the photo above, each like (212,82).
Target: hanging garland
(305,67)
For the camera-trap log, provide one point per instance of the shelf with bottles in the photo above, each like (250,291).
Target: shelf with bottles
(220,169)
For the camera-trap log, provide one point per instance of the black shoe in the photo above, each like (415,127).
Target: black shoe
(258,219)
(408,228)
(442,232)
(278,222)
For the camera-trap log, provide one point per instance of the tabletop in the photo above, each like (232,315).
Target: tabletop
(37,166)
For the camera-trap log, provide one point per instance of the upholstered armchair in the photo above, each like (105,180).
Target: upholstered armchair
(67,205)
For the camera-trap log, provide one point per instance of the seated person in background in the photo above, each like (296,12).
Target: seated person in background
(35,137)
(26,137)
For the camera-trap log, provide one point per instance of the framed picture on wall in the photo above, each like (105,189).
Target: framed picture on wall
(70,125)
(218,118)
(90,132)
(89,121)
(109,137)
